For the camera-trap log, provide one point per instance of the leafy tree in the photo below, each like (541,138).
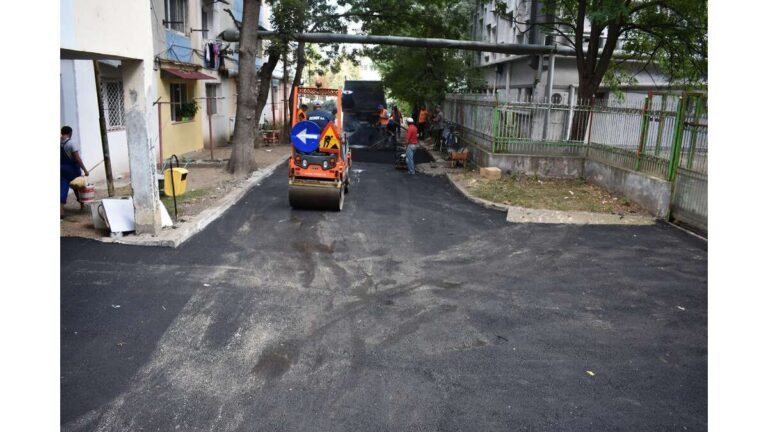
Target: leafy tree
(318,16)
(670,35)
(417,75)
(288,18)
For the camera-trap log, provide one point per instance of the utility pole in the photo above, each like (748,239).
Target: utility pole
(103,129)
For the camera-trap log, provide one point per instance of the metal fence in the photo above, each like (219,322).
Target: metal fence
(664,135)
(689,163)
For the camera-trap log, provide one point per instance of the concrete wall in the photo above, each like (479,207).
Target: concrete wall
(79,110)
(651,193)
(104,27)
(68,92)
(183,136)
(95,29)
(531,165)
(219,121)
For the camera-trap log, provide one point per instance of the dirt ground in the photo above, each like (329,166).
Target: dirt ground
(553,194)
(207,183)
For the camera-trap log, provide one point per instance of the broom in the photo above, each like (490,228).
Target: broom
(80,182)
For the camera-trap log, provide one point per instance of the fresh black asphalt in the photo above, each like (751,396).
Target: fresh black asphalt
(411,310)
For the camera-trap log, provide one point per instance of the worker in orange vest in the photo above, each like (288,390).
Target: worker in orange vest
(423,117)
(301,115)
(383,119)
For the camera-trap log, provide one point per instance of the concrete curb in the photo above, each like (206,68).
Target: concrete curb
(173,237)
(208,163)
(485,203)
(543,216)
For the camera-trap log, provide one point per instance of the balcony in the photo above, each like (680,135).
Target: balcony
(178,47)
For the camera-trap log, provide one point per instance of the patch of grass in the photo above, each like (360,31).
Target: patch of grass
(188,196)
(554,194)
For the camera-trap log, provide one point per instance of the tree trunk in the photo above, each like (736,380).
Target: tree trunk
(301,61)
(286,133)
(246,118)
(265,83)
(592,69)
(580,125)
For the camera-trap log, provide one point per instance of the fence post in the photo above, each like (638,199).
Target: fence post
(589,122)
(694,132)
(495,130)
(643,130)
(660,135)
(550,83)
(677,140)
(571,106)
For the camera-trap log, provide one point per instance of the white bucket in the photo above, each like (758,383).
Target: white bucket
(87,193)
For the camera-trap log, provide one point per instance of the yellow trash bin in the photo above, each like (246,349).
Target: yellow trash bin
(179,179)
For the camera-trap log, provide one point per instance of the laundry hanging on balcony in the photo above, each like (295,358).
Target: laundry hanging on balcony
(212,55)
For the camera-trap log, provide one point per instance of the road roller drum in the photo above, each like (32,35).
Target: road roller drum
(316,197)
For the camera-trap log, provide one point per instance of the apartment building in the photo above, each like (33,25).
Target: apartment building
(194,73)
(520,77)
(115,34)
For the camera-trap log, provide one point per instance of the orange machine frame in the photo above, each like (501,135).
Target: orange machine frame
(315,172)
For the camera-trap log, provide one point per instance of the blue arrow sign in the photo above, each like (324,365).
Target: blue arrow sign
(305,136)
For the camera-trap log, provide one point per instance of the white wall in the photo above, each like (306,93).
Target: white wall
(220,120)
(68,102)
(79,110)
(105,27)
(114,29)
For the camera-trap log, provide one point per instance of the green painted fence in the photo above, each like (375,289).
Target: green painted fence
(662,135)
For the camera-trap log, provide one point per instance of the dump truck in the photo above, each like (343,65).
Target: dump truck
(360,101)
(318,170)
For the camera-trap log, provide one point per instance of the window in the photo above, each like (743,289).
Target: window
(207,18)
(178,97)
(212,91)
(176,15)
(112,101)
(205,24)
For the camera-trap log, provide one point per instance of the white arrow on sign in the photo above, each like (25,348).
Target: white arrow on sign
(303,135)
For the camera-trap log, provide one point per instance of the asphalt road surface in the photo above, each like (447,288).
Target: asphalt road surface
(411,310)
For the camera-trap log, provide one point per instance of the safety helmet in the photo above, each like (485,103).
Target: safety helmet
(408,120)
(317,103)
(380,106)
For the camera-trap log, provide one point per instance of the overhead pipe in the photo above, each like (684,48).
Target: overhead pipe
(233,35)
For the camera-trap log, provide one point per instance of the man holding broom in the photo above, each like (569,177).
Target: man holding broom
(71,164)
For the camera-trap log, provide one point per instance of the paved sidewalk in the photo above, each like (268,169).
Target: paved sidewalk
(182,231)
(210,191)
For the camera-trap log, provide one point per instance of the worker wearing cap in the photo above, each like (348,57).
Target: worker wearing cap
(411,141)
(318,116)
